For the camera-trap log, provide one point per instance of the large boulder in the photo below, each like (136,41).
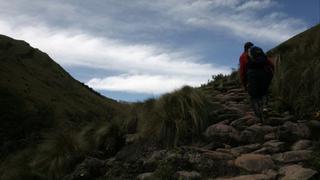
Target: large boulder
(254,162)
(222,133)
(295,171)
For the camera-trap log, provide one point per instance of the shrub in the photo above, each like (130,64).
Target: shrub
(178,117)
(58,154)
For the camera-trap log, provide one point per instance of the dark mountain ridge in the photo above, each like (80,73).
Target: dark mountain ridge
(37,94)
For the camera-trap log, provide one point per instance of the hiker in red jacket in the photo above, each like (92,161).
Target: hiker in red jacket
(256,72)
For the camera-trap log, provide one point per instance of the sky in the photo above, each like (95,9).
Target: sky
(131,50)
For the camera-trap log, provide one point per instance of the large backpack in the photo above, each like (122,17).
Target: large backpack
(259,60)
(256,55)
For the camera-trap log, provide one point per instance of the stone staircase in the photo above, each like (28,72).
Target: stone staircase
(241,148)
(236,147)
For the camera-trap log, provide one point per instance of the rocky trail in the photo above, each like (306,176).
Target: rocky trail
(238,147)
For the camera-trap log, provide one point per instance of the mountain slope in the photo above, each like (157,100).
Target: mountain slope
(36,94)
(296,82)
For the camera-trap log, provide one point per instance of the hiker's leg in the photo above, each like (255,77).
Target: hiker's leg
(256,104)
(255,90)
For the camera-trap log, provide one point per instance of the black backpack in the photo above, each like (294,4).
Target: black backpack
(257,58)
(256,55)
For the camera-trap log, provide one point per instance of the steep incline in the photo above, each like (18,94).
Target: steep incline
(37,94)
(297,81)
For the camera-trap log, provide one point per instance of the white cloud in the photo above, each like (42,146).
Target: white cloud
(157,64)
(255,5)
(68,32)
(151,84)
(240,18)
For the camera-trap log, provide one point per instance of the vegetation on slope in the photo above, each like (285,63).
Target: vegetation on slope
(296,83)
(48,120)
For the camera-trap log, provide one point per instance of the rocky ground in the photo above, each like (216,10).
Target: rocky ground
(238,147)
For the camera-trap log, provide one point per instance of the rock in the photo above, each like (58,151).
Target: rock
(301,145)
(293,156)
(274,146)
(244,122)
(214,155)
(270,136)
(255,133)
(275,121)
(240,106)
(248,177)
(156,156)
(249,137)
(245,149)
(213,145)
(254,162)
(88,169)
(222,133)
(145,176)
(291,132)
(291,172)
(236,91)
(186,175)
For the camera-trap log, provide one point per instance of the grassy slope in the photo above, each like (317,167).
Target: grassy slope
(296,81)
(36,94)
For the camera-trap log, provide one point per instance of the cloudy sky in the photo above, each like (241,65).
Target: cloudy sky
(134,49)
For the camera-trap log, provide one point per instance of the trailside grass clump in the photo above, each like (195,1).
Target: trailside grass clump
(175,118)
(58,154)
(61,150)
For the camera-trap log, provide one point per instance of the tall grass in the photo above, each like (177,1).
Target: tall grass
(177,117)
(296,83)
(61,151)
(58,154)
(297,86)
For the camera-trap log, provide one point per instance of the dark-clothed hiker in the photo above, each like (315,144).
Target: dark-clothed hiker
(256,72)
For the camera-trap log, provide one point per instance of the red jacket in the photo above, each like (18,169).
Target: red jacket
(244,58)
(243,67)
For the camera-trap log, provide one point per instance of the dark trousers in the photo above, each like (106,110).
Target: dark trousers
(258,85)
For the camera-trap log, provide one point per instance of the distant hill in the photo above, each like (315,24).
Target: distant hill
(297,82)
(36,94)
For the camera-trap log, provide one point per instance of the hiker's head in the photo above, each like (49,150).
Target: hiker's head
(247,46)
